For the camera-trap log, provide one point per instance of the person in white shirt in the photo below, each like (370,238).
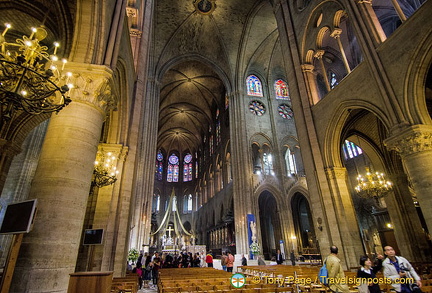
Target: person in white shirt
(396,268)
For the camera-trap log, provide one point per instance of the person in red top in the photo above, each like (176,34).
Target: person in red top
(230,262)
(209,259)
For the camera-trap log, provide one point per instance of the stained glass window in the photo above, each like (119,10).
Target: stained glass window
(159,165)
(211,141)
(285,111)
(218,132)
(226,102)
(196,165)
(281,90)
(351,150)
(187,168)
(173,168)
(257,108)
(254,87)
(332,79)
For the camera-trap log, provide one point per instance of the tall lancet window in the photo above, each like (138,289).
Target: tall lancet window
(173,168)
(290,162)
(196,165)
(218,128)
(174,204)
(187,168)
(187,203)
(254,87)
(159,165)
(211,141)
(156,203)
(281,90)
(268,163)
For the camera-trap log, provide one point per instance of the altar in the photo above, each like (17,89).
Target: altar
(171,236)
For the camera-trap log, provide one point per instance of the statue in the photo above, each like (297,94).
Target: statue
(253,231)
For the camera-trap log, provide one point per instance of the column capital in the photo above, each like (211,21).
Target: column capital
(365,2)
(319,54)
(307,68)
(413,139)
(336,33)
(336,172)
(93,84)
(133,32)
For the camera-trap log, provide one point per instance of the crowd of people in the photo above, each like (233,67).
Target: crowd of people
(147,265)
(394,268)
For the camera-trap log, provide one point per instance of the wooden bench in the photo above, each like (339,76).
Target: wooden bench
(128,284)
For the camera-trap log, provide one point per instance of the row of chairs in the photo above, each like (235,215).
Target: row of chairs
(202,280)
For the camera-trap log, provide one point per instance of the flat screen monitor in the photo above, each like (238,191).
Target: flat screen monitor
(19,217)
(93,236)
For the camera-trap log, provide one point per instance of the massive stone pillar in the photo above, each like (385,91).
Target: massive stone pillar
(345,217)
(62,182)
(415,148)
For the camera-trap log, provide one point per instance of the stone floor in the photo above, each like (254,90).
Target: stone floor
(148,290)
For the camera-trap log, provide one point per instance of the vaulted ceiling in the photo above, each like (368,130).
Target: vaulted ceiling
(209,53)
(188,101)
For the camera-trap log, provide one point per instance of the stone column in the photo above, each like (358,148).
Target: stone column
(310,78)
(372,21)
(62,182)
(345,217)
(242,174)
(415,148)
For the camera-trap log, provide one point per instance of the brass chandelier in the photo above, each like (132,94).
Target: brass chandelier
(105,170)
(31,80)
(372,185)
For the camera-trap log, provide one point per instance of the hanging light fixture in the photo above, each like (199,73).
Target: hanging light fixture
(31,80)
(373,185)
(105,170)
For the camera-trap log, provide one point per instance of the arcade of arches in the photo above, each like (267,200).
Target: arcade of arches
(230,123)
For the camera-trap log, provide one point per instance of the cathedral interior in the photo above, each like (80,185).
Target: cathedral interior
(223,124)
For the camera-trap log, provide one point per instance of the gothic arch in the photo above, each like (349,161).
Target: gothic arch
(270,223)
(317,24)
(270,188)
(303,224)
(332,140)
(415,82)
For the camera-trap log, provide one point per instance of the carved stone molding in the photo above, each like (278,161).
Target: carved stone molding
(417,138)
(131,12)
(93,84)
(135,32)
